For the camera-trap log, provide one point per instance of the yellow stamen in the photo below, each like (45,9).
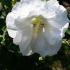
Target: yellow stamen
(37,26)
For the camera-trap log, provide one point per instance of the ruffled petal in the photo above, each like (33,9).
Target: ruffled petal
(23,24)
(10,23)
(12,33)
(23,39)
(55,14)
(24,45)
(59,21)
(52,35)
(49,43)
(45,47)
(50,8)
(22,9)
(17,39)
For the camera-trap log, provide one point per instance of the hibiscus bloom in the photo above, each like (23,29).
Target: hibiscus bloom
(37,26)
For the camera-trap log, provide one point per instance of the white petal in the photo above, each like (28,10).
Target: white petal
(53,35)
(17,39)
(55,13)
(44,48)
(27,1)
(23,38)
(27,51)
(52,39)
(23,24)
(63,30)
(12,33)
(37,44)
(10,23)
(59,20)
(50,8)
(22,9)
(50,50)
(24,45)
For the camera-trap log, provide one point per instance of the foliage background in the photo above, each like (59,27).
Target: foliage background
(10,59)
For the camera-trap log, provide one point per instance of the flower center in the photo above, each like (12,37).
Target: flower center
(38,25)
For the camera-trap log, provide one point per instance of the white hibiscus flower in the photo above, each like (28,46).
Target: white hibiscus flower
(37,26)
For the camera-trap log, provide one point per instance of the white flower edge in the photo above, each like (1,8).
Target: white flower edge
(57,25)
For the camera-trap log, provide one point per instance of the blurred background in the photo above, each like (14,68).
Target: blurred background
(10,59)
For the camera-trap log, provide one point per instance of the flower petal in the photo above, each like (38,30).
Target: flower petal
(23,39)
(53,35)
(23,24)
(56,18)
(17,39)
(63,30)
(12,33)
(50,8)
(10,23)
(44,48)
(24,45)
(52,39)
